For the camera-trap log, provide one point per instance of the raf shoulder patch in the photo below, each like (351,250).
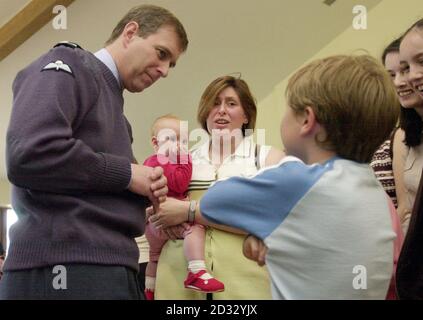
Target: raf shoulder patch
(58,65)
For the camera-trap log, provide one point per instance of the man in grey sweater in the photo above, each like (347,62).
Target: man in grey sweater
(79,195)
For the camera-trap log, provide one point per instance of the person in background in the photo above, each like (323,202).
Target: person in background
(382,159)
(408,146)
(410,263)
(410,166)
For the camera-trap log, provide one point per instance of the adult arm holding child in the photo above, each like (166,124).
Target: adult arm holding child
(174,213)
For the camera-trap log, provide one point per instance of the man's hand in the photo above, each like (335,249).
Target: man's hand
(149,182)
(172,212)
(255,249)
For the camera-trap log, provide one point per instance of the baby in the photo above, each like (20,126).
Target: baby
(171,154)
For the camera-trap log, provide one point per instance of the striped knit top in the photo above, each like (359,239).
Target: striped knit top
(382,167)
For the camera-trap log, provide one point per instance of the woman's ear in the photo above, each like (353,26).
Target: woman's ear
(246,119)
(308,121)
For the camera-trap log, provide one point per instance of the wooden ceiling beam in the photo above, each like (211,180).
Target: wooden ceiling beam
(26,22)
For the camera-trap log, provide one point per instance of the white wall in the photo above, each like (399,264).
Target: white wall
(386,21)
(263,40)
(4,192)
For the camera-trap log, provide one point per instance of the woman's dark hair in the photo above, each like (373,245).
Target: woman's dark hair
(392,47)
(416,25)
(412,124)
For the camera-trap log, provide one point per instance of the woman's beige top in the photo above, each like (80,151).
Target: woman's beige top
(413,166)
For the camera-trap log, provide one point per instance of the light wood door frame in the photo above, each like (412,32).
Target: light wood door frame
(26,22)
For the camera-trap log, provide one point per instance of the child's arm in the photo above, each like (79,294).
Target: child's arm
(201,220)
(255,205)
(174,212)
(178,175)
(258,205)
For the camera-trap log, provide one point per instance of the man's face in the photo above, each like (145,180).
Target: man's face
(148,59)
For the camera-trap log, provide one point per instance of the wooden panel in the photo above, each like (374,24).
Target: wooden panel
(27,22)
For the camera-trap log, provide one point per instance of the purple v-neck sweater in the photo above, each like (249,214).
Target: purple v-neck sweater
(68,158)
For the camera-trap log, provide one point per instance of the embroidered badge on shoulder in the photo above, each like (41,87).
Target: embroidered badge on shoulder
(59,65)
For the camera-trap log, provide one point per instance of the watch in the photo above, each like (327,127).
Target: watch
(191,211)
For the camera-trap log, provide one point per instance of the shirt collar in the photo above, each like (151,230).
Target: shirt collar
(243,150)
(245,147)
(104,56)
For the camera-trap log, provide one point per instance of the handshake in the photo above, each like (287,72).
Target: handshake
(149,182)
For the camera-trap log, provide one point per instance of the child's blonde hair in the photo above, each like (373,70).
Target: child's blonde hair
(354,99)
(159,119)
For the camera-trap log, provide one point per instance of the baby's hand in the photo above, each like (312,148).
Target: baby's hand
(176,232)
(149,212)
